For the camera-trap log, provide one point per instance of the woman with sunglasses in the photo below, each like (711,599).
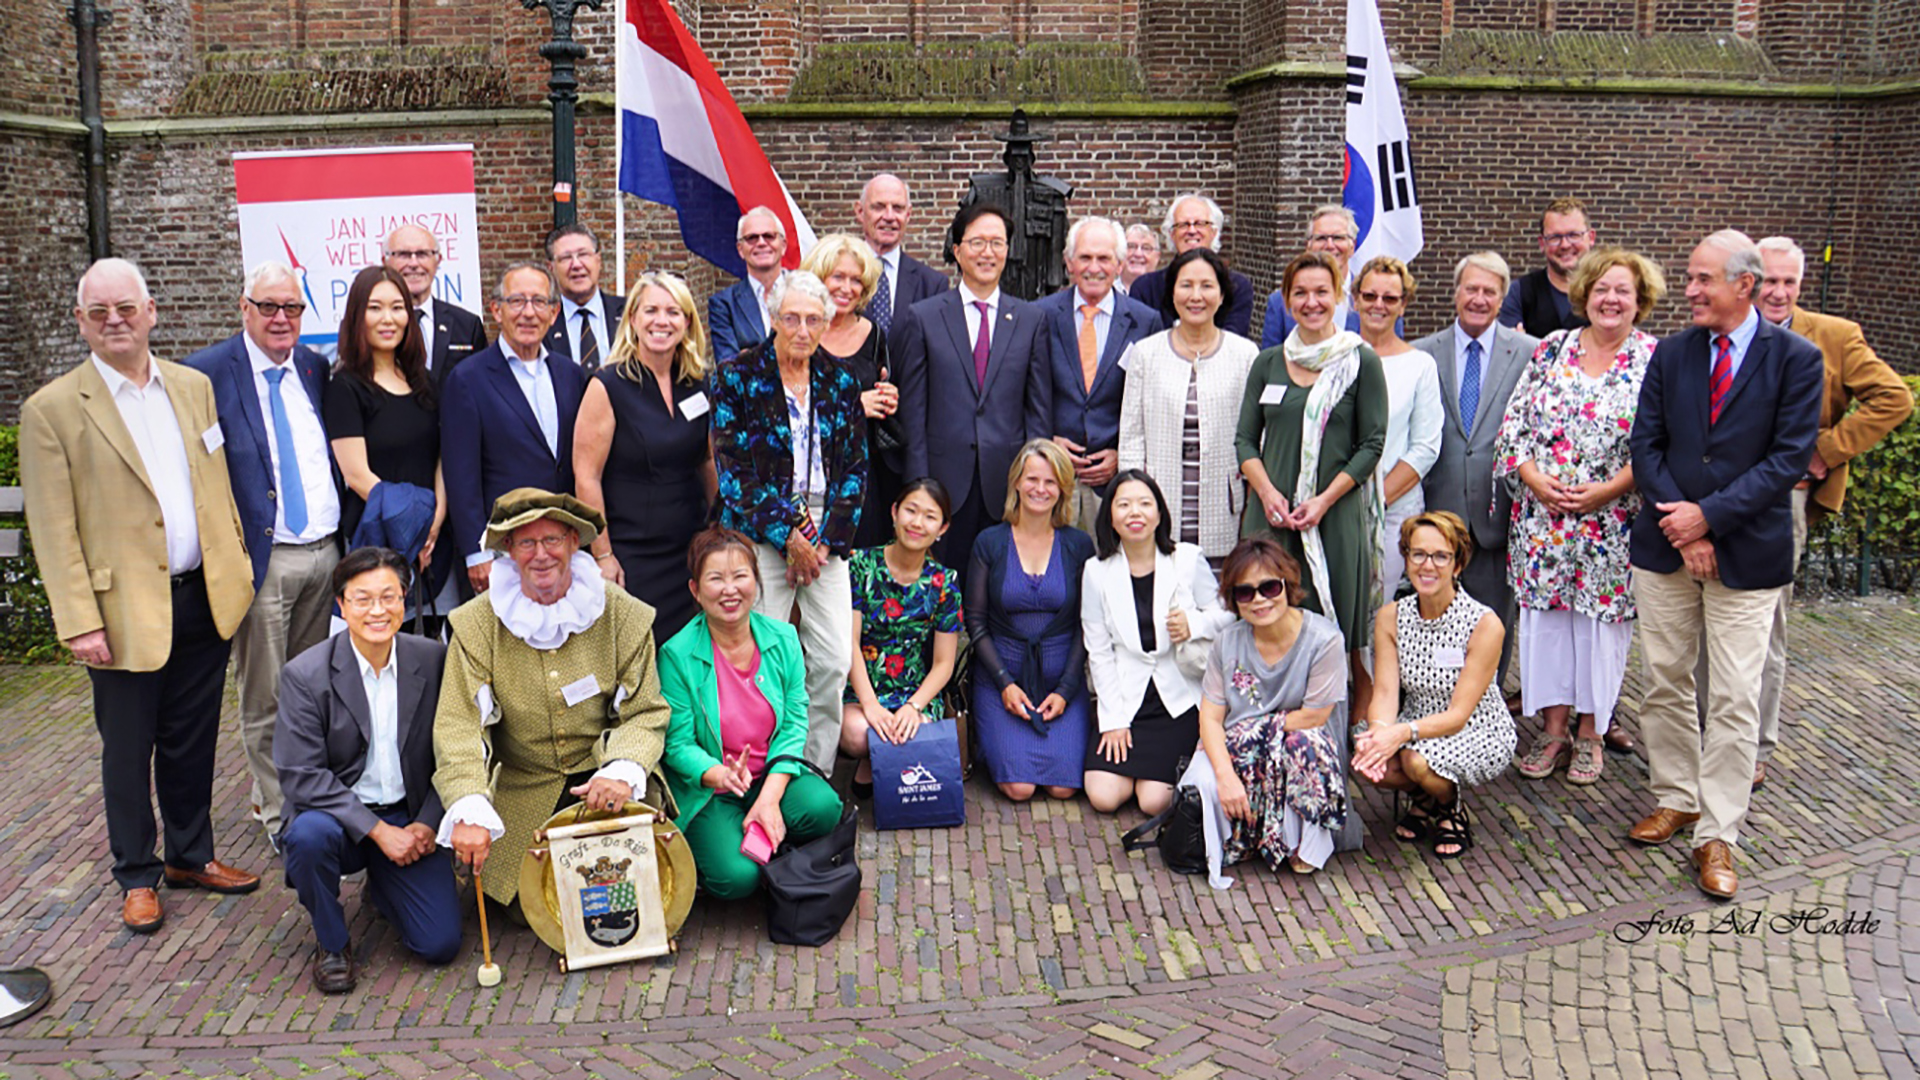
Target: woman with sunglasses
(1438,722)
(1273,714)
(1414,412)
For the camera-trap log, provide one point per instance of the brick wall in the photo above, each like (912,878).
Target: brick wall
(43,230)
(36,67)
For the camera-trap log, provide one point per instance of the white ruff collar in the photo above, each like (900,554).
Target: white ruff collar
(547,626)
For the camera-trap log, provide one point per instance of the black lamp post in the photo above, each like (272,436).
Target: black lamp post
(563,90)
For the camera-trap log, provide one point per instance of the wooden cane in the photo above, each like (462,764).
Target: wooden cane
(489,973)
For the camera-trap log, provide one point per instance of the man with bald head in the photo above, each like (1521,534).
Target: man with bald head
(737,316)
(124,467)
(268,390)
(883,211)
(451,333)
(1195,221)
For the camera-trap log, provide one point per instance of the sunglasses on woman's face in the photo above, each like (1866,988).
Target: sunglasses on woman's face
(1271,589)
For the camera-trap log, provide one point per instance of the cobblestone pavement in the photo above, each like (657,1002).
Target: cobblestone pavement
(1028,945)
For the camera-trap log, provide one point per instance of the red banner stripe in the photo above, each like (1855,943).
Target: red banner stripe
(353,176)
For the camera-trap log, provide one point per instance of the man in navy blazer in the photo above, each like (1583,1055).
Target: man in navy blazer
(268,390)
(355,751)
(1196,221)
(506,416)
(1088,380)
(883,211)
(589,315)
(737,315)
(969,404)
(1728,416)
(452,333)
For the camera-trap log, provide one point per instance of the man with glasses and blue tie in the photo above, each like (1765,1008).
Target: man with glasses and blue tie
(506,416)
(268,389)
(1538,303)
(1479,362)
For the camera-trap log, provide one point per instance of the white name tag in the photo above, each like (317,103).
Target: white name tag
(695,407)
(1452,656)
(580,690)
(1273,394)
(213,438)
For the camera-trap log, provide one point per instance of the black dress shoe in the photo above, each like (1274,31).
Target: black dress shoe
(333,972)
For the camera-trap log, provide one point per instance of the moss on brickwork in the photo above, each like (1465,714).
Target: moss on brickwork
(1596,56)
(970,71)
(327,81)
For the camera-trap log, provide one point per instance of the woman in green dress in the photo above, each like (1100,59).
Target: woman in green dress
(1312,425)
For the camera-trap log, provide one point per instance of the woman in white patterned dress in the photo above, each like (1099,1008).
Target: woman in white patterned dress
(1437,722)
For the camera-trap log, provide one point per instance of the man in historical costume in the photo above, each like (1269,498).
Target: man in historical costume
(550,695)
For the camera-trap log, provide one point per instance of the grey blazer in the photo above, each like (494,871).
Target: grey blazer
(1462,480)
(320,739)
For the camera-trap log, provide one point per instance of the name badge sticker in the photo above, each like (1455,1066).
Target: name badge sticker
(1451,656)
(1274,394)
(213,438)
(580,690)
(695,406)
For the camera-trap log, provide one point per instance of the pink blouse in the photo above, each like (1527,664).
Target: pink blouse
(746,719)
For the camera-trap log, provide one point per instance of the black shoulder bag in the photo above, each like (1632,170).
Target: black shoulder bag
(813,887)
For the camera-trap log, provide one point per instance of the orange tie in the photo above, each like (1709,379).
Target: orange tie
(1089,344)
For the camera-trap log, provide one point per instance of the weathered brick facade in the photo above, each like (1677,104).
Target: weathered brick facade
(1796,116)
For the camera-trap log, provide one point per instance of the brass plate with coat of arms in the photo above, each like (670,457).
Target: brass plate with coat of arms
(613,911)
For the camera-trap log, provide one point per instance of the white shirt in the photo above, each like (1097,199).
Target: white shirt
(149,416)
(426,328)
(967,302)
(595,315)
(890,270)
(760,294)
(1741,339)
(381,782)
(310,449)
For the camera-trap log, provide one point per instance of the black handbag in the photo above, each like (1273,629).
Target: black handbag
(813,887)
(1182,839)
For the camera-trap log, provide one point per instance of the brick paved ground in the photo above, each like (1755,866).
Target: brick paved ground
(1027,945)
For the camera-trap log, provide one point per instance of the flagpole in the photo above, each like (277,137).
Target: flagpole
(619,196)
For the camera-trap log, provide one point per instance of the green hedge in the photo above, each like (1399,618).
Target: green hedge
(1880,523)
(26,626)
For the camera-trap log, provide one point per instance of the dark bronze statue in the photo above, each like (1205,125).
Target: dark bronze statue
(1036,215)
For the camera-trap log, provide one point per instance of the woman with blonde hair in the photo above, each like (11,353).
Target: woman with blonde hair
(851,271)
(641,453)
(1381,292)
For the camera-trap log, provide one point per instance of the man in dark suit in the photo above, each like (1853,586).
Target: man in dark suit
(589,315)
(1538,302)
(1089,324)
(1480,362)
(737,316)
(269,389)
(452,333)
(125,476)
(975,380)
(1196,221)
(506,416)
(1727,421)
(355,750)
(904,280)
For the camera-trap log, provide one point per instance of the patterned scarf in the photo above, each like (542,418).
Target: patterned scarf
(1337,360)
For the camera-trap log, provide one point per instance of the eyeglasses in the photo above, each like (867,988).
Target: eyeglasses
(978,244)
(97,314)
(1559,238)
(576,256)
(1270,589)
(1389,299)
(795,322)
(1195,223)
(1429,558)
(272,310)
(755,238)
(555,544)
(520,303)
(361,603)
(414,255)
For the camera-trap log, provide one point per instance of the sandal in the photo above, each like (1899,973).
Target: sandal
(1453,828)
(1300,866)
(1547,755)
(1417,823)
(1589,761)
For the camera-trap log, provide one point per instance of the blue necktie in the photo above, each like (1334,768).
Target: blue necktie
(880,308)
(1470,388)
(293,494)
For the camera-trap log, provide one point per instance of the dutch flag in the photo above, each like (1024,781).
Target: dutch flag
(684,144)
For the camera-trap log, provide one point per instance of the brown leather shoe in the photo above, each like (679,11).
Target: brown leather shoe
(141,911)
(334,972)
(1759,775)
(1617,740)
(1714,860)
(213,877)
(1659,826)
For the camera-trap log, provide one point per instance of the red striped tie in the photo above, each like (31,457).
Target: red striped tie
(1722,379)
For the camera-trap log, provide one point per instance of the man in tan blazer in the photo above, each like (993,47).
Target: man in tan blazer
(1856,379)
(134,525)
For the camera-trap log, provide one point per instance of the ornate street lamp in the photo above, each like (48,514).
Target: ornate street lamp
(563,90)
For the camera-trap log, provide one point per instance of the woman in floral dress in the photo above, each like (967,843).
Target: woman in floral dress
(1563,449)
(906,629)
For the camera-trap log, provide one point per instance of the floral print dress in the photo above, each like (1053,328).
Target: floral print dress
(1574,427)
(897,624)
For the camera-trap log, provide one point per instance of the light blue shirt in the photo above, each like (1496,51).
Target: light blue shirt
(1742,340)
(1102,320)
(381,782)
(1460,339)
(537,383)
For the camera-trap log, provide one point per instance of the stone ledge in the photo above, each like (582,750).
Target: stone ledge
(969,71)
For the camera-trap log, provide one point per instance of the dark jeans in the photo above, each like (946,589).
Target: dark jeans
(419,899)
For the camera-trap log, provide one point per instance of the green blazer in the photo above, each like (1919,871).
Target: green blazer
(692,691)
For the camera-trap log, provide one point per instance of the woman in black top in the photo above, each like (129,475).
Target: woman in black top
(851,272)
(380,407)
(641,448)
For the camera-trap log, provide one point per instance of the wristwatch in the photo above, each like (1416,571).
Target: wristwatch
(1413,732)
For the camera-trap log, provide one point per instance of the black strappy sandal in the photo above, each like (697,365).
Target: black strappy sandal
(1416,824)
(1454,827)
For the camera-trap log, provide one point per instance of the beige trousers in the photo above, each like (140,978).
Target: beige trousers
(1774,678)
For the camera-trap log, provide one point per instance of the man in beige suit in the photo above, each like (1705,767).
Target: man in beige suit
(134,525)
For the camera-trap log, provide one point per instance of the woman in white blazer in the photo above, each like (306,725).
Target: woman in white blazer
(1148,610)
